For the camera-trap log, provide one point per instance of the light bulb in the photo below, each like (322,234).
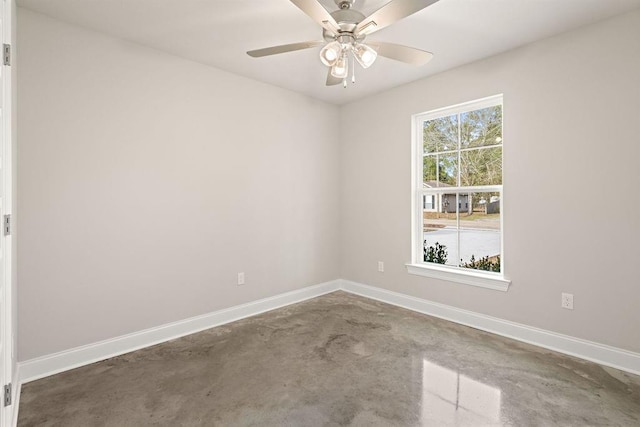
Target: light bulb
(330,53)
(340,69)
(364,54)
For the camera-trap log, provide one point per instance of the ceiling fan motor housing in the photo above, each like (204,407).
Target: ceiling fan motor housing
(347,20)
(344,4)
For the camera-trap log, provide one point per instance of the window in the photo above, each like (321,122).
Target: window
(458,199)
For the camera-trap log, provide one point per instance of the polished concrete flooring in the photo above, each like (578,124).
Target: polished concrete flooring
(336,360)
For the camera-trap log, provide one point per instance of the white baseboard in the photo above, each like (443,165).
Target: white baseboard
(41,367)
(44,366)
(599,353)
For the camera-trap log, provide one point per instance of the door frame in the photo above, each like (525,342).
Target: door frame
(7,334)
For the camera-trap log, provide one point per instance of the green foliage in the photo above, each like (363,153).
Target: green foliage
(437,253)
(441,134)
(448,168)
(440,167)
(484,263)
(479,129)
(481,167)
(429,167)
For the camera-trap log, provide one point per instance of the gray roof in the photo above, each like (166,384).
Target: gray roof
(434,184)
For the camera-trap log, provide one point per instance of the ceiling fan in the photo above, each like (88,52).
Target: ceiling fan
(344,32)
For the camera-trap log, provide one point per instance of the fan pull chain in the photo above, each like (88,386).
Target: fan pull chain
(353,67)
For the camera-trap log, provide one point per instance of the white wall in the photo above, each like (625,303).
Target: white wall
(146,182)
(571,178)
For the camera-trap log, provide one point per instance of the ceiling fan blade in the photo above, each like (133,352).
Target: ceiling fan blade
(318,13)
(274,50)
(390,13)
(401,53)
(332,81)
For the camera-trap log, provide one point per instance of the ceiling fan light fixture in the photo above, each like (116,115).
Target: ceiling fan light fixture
(365,55)
(330,54)
(340,69)
(344,32)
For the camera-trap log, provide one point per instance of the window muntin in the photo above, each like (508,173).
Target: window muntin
(459,173)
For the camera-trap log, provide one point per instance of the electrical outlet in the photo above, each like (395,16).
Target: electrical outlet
(567,301)
(240,278)
(381,266)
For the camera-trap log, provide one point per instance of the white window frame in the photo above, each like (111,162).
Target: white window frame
(417,266)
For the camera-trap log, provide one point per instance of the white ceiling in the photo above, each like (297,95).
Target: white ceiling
(219,32)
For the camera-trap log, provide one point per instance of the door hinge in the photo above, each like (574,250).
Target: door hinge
(6,54)
(6,225)
(7,394)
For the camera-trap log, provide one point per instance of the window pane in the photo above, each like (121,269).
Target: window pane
(440,231)
(481,167)
(480,231)
(481,127)
(429,171)
(459,227)
(447,169)
(440,134)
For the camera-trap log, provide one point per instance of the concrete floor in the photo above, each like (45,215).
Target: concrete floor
(336,360)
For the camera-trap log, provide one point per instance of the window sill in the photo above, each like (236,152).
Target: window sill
(474,278)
